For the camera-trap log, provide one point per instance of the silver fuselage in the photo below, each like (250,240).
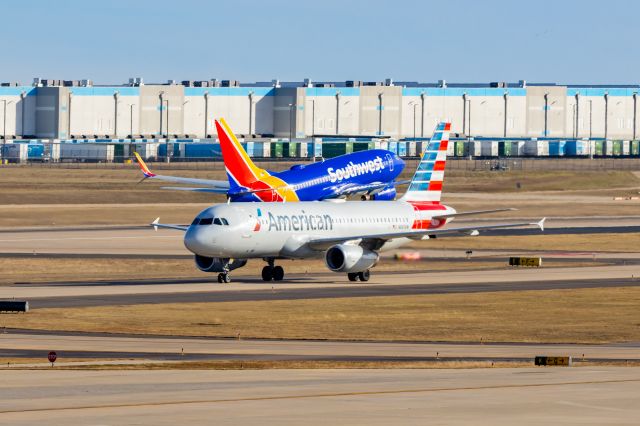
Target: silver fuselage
(262,230)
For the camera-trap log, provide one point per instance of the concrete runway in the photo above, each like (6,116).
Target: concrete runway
(100,345)
(319,286)
(531,396)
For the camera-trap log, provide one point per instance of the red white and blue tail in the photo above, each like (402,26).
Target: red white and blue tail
(426,184)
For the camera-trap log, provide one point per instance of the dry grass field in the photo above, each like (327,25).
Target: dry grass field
(551,316)
(42,269)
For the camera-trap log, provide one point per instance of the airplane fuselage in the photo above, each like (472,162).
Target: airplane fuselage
(284,229)
(329,178)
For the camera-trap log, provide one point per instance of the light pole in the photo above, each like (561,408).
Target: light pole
(380,113)
(422,95)
(506,101)
(577,115)
(69,115)
(635,96)
(464,113)
(206,113)
(250,112)
(590,128)
(161,95)
(546,109)
(116,95)
(606,114)
(290,122)
(337,112)
(4,125)
(23,99)
(412,103)
(131,120)
(313,117)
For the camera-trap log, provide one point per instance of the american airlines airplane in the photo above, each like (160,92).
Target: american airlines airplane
(348,234)
(370,174)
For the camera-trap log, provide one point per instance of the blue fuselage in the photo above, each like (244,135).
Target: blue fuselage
(338,176)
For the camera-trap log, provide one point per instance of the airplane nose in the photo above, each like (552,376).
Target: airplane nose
(197,240)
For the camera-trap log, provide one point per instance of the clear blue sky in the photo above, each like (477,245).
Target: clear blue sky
(458,40)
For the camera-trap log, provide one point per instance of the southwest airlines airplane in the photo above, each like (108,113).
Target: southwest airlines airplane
(348,234)
(369,174)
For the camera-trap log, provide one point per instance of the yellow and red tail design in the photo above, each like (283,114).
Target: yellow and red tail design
(244,174)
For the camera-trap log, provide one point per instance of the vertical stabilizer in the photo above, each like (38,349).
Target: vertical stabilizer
(426,184)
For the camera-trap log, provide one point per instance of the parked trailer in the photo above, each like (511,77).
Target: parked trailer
(489,148)
(16,152)
(91,152)
(147,150)
(536,148)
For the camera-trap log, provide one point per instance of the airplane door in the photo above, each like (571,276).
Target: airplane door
(390,162)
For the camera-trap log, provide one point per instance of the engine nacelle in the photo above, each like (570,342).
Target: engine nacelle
(217,264)
(346,258)
(387,194)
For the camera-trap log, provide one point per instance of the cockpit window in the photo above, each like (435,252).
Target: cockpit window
(217,221)
(195,221)
(224,222)
(206,221)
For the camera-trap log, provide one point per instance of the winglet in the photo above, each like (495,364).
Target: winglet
(143,166)
(541,223)
(155,223)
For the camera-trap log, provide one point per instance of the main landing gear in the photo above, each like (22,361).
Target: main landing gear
(271,272)
(362,276)
(224,277)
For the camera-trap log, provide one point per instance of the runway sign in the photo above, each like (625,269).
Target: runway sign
(525,261)
(564,361)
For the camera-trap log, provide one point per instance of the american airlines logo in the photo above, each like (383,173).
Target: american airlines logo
(351,170)
(300,222)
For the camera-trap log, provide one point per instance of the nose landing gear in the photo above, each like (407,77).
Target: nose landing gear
(271,272)
(224,277)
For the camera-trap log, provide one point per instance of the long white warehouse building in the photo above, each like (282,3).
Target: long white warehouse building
(57,109)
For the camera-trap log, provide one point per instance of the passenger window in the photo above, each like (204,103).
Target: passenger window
(224,222)
(217,221)
(206,221)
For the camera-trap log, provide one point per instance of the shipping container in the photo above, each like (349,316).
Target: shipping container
(302,150)
(248,147)
(635,148)
(577,148)
(598,148)
(451,148)
(460,148)
(384,144)
(536,148)
(393,146)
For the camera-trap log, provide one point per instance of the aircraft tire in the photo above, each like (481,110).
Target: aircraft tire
(353,276)
(278,273)
(267,273)
(364,275)
(224,278)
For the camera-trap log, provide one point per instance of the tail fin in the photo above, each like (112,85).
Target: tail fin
(241,171)
(426,184)
(143,166)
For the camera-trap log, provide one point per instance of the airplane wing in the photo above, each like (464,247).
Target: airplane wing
(148,174)
(375,241)
(156,224)
(458,214)
(185,188)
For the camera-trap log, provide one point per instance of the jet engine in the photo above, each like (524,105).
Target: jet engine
(217,264)
(346,258)
(387,194)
